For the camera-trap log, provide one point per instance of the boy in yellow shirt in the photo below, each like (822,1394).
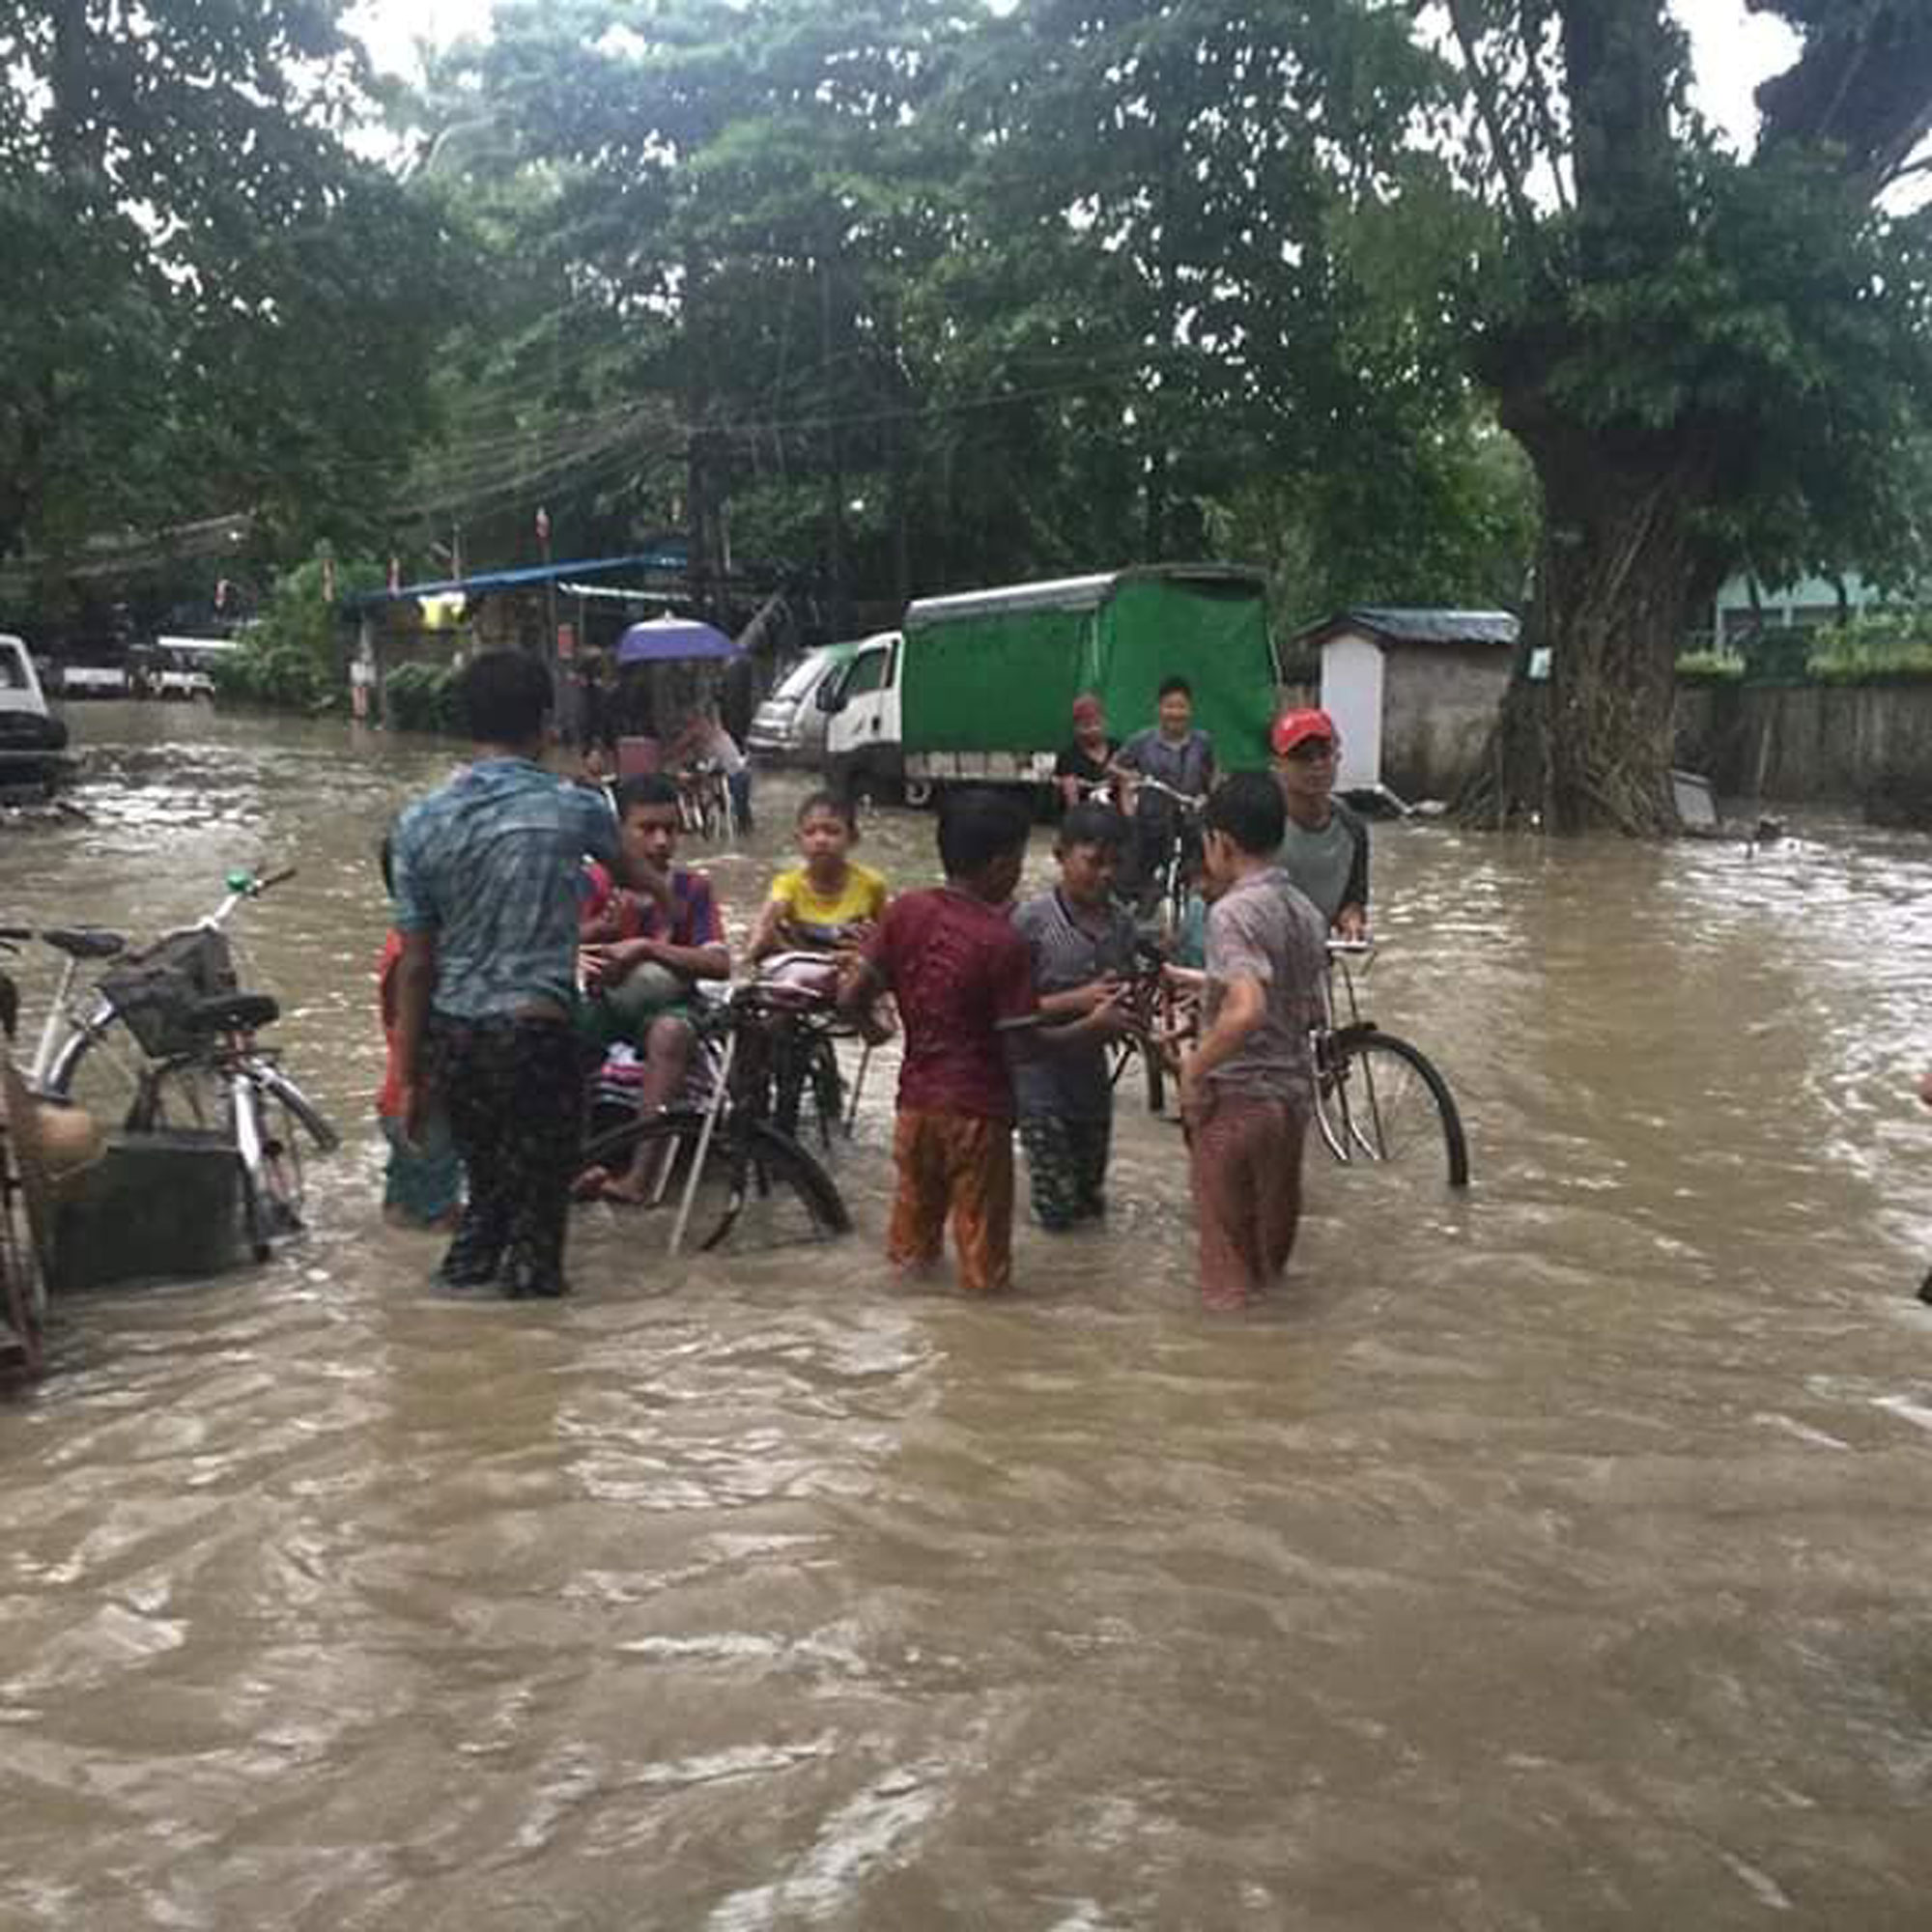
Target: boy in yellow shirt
(828,903)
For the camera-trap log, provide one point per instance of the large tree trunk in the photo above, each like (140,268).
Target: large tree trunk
(1620,578)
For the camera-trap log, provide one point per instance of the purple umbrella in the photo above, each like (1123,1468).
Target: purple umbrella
(663,640)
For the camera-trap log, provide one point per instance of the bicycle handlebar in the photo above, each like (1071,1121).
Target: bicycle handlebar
(1181,798)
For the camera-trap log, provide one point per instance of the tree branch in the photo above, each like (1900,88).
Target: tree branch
(1865,86)
(1483,86)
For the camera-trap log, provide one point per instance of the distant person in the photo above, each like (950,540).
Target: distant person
(1247,1088)
(704,741)
(827,903)
(1181,758)
(1081,946)
(422,1180)
(486,871)
(963,979)
(1088,760)
(652,931)
(1325,849)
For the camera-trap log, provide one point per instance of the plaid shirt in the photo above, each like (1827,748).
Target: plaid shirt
(489,864)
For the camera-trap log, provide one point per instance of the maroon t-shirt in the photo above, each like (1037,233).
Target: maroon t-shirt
(958,968)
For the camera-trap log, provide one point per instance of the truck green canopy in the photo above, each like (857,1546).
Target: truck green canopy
(997,670)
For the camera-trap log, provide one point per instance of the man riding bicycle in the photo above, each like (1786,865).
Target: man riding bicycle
(1181,758)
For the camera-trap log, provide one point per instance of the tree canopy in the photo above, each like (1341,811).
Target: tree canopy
(1452,301)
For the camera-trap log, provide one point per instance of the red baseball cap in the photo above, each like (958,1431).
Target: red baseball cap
(1296,727)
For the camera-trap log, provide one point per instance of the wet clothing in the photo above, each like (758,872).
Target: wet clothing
(423,1182)
(1330,867)
(956,1168)
(1077,762)
(623,914)
(1187,764)
(514,1088)
(958,968)
(1066,951)
(489,864)
(1245,1159)
(820,920)
(1066,1165)
(1262,928)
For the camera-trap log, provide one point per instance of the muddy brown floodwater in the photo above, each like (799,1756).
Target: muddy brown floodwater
(1557,1558)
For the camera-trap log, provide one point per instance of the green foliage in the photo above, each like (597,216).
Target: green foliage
(1888,647)
(213,305)
(421,697)
(292,659)
(1710,666)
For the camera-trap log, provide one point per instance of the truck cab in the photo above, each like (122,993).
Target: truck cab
(860,702)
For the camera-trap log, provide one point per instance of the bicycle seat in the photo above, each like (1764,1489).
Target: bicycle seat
(84,942)
(232,1012)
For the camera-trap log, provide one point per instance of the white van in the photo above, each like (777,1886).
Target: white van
(31,738)
(860,702)
(788,727)
(184,666)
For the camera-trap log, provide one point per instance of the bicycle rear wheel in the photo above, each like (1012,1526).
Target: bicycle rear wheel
(757,1190)
(23,1288)
(1379,1100)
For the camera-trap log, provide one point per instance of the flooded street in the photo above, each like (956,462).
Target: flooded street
(1559,1557)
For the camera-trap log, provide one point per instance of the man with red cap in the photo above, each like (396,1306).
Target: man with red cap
(1088,760)
(1325,852)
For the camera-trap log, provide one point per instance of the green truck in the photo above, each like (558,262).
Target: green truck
(979,687)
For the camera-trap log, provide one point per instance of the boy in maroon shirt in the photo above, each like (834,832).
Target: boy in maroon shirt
(962,975)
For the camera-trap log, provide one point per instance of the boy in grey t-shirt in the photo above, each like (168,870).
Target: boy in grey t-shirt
(1082,944)
(1247,1088)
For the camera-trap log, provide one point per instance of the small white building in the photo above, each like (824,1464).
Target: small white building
(1412,692)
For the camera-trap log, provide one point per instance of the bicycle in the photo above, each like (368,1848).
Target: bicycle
(1378,1097)
(1172,876)
(23,1281)
(201,1069)
(705,803)
(742,1182)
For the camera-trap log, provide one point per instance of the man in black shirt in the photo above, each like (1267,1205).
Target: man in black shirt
(1089,759)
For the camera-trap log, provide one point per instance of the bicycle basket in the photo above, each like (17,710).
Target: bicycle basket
(154,991)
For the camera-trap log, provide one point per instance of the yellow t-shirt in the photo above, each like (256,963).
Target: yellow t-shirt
(862,897)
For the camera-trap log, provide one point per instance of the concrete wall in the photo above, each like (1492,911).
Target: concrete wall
(1439,702)
(1807,742)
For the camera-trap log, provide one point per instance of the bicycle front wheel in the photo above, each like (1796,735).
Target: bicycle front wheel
(755,1189)
(1381,1100)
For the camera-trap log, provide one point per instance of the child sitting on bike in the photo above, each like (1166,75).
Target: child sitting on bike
(1082,944)
(826,906)
(422,1182)
(1247,1088)
(650,934)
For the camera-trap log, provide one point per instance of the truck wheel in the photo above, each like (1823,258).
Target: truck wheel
(919,793)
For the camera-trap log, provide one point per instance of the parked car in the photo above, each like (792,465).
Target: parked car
(979,687)
(184,663)
(93,681)
(33,742)
(788,727)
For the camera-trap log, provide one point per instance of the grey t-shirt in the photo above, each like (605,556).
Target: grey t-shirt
(1262,929)
(1331,866)
(1069,1082)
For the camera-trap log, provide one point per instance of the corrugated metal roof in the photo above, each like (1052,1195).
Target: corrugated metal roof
(1395,625)
(1074,593)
